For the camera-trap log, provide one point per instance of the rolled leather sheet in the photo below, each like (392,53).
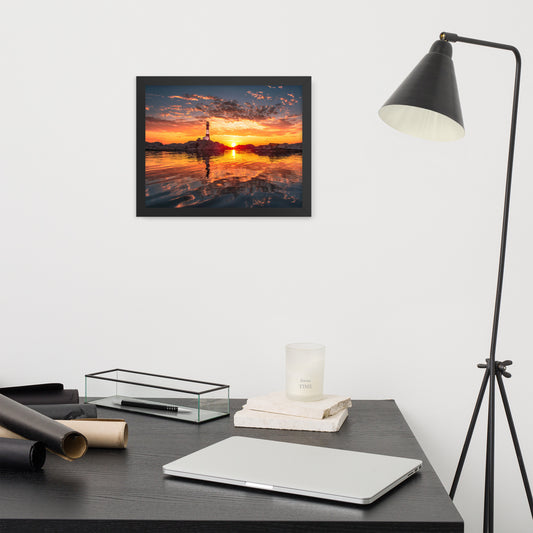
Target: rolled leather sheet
(66,411)
(32,425)
(41,393)
(22,454)
(101,432)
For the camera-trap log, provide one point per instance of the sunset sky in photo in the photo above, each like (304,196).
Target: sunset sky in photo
(237,114)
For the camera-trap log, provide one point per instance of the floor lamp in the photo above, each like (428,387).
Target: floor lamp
(427,105)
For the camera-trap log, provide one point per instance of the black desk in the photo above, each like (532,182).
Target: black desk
(125,490)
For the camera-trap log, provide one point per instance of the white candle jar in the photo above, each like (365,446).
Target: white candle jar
(304,371)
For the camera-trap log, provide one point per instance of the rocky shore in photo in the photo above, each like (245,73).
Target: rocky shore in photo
(271,148)
(204,147)
(199,146)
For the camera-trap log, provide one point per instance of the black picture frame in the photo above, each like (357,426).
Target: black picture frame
(148,81)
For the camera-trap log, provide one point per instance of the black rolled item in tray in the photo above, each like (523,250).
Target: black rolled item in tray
(42,393)
(34,426)
(66,411)
(22,454)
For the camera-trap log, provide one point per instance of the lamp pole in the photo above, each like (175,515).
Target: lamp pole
(494,368)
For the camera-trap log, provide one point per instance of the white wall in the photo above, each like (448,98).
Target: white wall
(395,272)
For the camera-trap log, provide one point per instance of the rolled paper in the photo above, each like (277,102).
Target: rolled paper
(66,411)
(22,454)
(32,425)
(101,432)
(42,393)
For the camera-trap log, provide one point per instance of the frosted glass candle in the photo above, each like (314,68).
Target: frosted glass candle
(304,371)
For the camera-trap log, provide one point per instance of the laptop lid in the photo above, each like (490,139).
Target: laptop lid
(315,471)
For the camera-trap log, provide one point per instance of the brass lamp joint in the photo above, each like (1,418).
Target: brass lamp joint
(450,37)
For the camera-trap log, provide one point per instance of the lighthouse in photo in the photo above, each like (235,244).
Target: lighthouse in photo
(206,138)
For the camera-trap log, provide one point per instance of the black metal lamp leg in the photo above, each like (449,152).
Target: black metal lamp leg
(515,438)
(470,430)
(499,370)
(488,509)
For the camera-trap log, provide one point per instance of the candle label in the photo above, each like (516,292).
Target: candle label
(305,384)
(301,386)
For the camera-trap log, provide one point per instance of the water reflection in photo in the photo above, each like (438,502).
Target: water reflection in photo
(232,179)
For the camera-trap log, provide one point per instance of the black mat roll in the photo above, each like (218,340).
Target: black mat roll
(41,393)
(22,454)
(34,426)
(66,411)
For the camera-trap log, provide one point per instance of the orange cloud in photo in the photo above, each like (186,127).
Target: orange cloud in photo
(237,114)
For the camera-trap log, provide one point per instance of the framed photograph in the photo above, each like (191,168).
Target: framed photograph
(224,146)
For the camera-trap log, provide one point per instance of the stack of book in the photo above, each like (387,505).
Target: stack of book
(276,411)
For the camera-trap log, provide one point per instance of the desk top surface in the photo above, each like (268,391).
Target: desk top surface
(125,490)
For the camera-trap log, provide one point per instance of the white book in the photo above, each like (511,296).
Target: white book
(277,402)
(248,418)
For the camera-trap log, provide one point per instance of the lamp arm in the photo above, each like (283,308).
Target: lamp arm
(454,38)
(489,470)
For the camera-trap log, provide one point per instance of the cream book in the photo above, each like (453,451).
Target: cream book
(277,402)
(248,418)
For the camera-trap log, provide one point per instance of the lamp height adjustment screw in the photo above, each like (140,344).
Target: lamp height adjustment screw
(485,364)
(502,368)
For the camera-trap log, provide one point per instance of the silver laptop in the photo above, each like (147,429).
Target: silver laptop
(340,475)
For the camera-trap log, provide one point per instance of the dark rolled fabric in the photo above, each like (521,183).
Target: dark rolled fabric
(35,387)
(66,411)
(41,393)
(34,426)
(22,454)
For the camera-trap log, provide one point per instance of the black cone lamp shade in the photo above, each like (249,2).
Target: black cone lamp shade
(427,104)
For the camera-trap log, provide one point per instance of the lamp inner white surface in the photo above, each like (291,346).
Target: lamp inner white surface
(421,122)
